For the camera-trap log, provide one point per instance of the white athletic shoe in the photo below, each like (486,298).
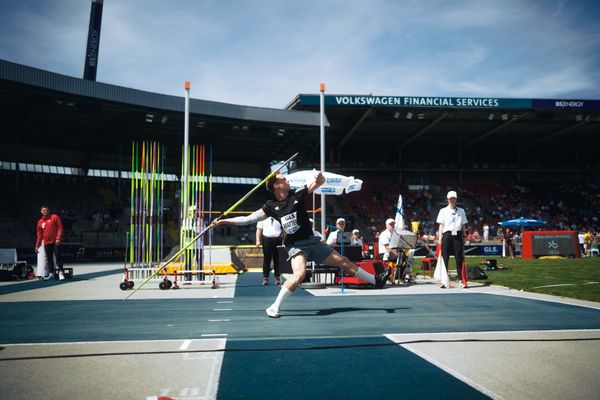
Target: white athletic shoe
(61,276)
(272,312)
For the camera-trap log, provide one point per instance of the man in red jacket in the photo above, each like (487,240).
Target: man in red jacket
(49,234)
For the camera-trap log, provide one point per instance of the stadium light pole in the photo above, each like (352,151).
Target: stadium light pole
(322,145)
(92,50)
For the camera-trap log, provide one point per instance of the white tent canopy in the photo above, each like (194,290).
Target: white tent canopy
(334,184)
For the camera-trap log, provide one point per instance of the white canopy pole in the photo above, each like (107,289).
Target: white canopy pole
(186,139)
(322,136)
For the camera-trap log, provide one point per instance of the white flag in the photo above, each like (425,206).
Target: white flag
(42,266)
(441,273)
(399,215)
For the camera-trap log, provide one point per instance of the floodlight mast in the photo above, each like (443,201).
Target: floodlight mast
(90,66)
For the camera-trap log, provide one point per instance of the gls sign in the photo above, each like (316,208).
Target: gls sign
(491,250)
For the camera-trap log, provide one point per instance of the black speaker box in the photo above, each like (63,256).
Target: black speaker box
(474,273)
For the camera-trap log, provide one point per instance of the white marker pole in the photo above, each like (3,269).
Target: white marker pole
(186,168)
(322,136)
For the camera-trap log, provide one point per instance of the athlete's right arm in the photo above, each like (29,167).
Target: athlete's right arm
(253,218)
(317,182)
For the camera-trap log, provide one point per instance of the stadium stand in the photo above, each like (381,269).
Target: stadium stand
(94,217)
(566,206)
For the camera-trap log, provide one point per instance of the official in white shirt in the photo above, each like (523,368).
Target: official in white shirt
(270,235)
(451,233)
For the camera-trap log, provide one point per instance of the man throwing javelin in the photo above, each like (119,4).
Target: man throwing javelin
(300,243)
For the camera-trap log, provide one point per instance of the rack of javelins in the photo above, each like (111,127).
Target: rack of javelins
(144,253)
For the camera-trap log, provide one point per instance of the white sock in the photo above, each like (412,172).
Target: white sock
(283,294)
(362,274)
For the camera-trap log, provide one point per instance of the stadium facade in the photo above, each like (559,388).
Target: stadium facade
(57,130)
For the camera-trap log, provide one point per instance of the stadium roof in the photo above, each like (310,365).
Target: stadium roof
(90,124)
(411,133)
(45,110)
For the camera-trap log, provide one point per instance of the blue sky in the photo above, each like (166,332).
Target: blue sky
(265,52)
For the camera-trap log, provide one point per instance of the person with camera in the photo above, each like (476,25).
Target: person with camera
(386,253)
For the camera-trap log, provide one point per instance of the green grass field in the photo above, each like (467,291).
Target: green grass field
(574,278)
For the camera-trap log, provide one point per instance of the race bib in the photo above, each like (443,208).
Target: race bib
(289,223)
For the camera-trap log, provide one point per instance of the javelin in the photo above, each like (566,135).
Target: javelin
(233,207)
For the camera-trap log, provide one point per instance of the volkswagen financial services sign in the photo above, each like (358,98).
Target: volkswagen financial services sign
(344,100)
(415,101)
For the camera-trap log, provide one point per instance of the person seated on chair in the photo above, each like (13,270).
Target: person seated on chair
(406,273)
(356,239)
(336,237)
(386,253)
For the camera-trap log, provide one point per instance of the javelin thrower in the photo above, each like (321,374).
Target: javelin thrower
(300,243)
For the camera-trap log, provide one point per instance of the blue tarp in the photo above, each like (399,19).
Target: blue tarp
(523,222)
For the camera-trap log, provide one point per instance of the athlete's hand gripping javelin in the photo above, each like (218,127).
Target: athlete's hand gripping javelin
(319,180)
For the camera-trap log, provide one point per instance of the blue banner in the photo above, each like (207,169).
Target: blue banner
(415,101)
